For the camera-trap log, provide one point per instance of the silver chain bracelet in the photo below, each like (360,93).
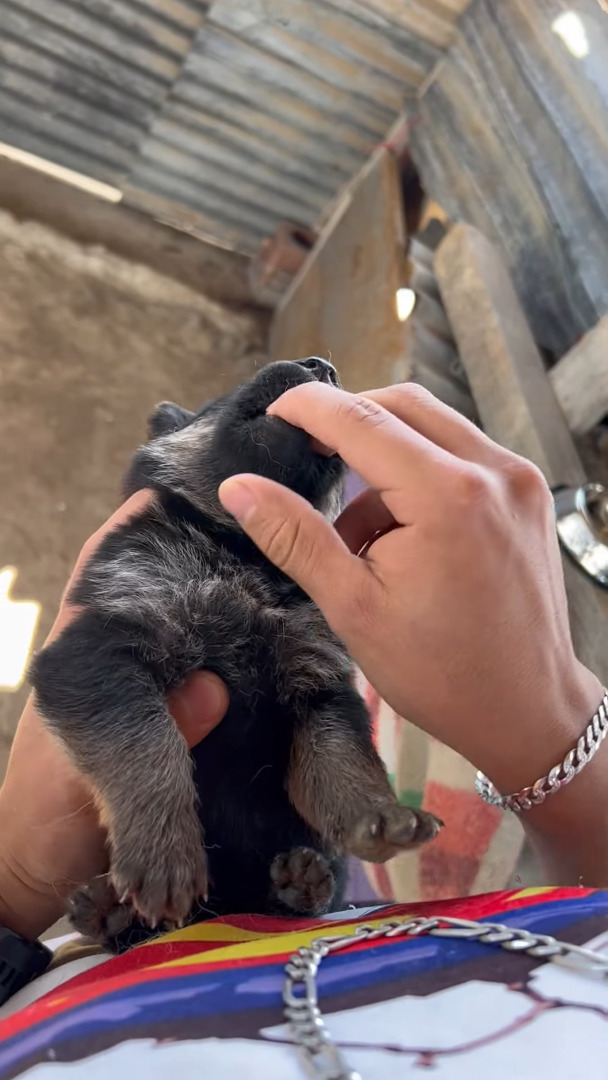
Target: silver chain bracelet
(306,1025)
(585,749)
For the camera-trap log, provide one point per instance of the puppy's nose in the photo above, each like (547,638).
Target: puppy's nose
(322,370)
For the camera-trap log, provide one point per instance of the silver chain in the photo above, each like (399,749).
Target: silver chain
(560,775)
(302,1012)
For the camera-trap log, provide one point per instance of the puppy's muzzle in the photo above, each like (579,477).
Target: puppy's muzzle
(322,370)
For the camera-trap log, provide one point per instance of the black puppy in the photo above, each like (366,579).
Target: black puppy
(289,782)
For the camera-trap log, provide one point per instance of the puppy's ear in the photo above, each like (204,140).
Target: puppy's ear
(166,418)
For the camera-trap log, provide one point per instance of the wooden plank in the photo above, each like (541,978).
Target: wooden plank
(515,399)
(160,199)
(499,354)
(342,303)
(580,380)
(32,196)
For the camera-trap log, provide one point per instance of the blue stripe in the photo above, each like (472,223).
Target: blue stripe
(241,989)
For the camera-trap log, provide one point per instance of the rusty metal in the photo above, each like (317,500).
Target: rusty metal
(279,259)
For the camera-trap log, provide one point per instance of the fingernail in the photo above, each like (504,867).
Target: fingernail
(238,499)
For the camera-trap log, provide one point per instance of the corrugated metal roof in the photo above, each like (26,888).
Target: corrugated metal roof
(511,136)
(81,80)
(222,117)
(278,104)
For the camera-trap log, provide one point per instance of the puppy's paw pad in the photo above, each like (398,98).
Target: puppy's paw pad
(304,881)
(96,912)
(381,833)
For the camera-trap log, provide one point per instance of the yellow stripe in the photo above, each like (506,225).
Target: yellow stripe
(271,945)
(208,931)
(538,891)
(264,946)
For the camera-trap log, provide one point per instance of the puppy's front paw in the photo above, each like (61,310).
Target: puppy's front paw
(96,912)
(164,876)
(382,832)
(304,881)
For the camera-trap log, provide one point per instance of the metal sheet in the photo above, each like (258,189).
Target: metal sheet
(229,115)
(424,21)
(81,80)
(511,136)
(287,99)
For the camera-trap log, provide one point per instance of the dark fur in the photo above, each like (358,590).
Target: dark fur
(289,782)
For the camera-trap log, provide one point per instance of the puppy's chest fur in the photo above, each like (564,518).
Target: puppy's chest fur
(185,597)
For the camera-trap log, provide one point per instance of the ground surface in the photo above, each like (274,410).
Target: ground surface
(89,344)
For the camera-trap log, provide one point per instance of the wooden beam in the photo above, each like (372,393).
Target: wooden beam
(342,303)
(515,399)
(33,196)
(580,380)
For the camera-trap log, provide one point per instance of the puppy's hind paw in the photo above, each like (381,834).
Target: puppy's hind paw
(382,832)
(303,881)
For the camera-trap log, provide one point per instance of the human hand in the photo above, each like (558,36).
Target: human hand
(456,611)
(50,837)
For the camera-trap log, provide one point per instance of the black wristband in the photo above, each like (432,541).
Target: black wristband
(20,962)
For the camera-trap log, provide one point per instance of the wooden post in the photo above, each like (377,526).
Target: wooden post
(580,380)
(515,398)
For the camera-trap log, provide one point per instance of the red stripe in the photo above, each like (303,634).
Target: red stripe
(84,987)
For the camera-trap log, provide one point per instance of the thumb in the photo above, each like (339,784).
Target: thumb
(295,537)
(198,706)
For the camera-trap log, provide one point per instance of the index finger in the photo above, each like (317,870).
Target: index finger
(388,454)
